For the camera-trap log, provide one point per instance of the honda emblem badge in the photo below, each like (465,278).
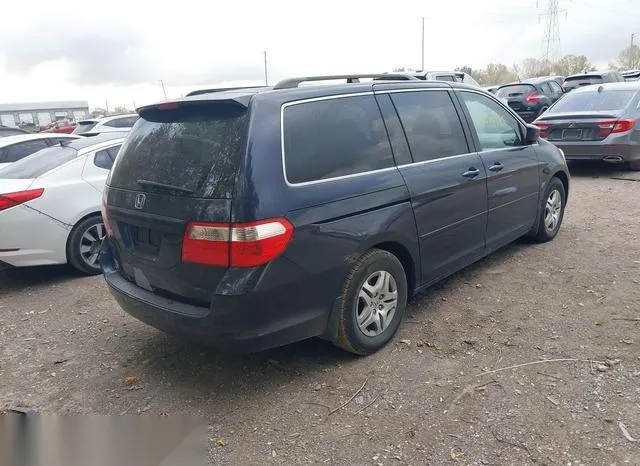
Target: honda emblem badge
(140,199)
(572,125)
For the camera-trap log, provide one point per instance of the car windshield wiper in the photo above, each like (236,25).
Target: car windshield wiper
(154,184)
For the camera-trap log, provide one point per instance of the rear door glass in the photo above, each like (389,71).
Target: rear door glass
(335,137)
(196,149)
(431,124)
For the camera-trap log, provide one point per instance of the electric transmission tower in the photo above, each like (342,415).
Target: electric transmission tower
(551,50)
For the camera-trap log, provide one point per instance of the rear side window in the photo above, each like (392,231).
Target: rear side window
(194,149)
(103,159)
(19,151)
(336,137)
(431,124)
(582,101)
(517,90)
(39,163)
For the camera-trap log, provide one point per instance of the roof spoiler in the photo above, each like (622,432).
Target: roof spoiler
(292,83)
(221,89)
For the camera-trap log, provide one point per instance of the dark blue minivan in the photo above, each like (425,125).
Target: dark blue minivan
(253,218)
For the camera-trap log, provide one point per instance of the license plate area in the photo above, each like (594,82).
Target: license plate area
(572,134)
(146,240)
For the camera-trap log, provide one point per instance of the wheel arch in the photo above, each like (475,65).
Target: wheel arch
(76,223)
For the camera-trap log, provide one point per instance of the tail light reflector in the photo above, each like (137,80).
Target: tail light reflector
(235,244)
(545,128)
(13,199)
(605,128)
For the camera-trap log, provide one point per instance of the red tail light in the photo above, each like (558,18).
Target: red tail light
(605,128)
(545,128)
(236,244)
(13,199)
(105,218)
(533,98)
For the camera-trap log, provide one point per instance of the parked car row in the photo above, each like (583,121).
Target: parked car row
(361,194)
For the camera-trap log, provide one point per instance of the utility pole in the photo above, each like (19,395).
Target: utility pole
(266,78)
(422,69)
(163,90)
(633,36)
(106,106)
(551,50)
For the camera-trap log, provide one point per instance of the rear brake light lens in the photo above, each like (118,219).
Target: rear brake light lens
(236,244)
(545,128)
(13,199)
(605,128)
(105,217)
(533,98)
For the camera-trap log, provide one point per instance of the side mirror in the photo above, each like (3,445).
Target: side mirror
(532,134)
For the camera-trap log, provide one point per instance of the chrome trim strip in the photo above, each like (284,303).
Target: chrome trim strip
(424,162)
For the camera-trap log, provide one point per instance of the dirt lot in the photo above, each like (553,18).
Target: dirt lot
(442,393)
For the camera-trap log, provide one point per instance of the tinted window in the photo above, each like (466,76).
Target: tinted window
(431,124)
(195,148)
(103,159)
(19,151)
(113,152)
(516,90)
(335,137)
(125,122)
(39,163)
(576,81)
(593,101)
(495,126)
(555,87)
(84,127)
(546,89)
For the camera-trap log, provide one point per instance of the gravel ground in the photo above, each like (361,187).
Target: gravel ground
(443,392)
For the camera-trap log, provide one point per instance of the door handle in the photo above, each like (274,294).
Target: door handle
(496,167)
(471,173)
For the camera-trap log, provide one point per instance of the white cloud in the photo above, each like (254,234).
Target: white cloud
(120,53)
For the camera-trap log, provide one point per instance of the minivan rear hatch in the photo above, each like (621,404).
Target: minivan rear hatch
(178,165)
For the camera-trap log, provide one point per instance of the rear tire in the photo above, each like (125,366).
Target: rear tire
(551,211)
(372,303)
(83,247)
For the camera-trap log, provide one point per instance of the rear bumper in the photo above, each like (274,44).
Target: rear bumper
(599,152)
(248,322)
(29,238)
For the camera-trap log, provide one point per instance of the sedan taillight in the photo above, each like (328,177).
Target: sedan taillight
(13,199)
(605,128)
(544,128)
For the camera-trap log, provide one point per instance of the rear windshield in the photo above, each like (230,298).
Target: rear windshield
(517,90)
(194,151)
(593,101)
(39,163)
(577,81)
(84,127)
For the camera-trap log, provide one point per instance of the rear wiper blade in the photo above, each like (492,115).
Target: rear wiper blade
(154,184)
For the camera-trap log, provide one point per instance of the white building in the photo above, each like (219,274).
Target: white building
(40,114)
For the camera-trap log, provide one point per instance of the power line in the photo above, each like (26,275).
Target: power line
(551,49)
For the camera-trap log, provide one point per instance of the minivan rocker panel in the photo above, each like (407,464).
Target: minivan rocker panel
(249,219)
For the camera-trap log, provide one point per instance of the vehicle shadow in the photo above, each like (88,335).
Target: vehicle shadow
(601,170)
(218,379)
(12,279)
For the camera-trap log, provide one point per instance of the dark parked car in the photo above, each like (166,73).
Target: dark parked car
(587,79)
(7,131)
(597,123)
(255,218)
(631,75)
(530,98)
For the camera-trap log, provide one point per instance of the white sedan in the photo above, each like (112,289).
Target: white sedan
(19,146)
(50,204)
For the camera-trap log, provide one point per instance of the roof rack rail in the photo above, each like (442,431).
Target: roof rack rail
(220,89)
(291,83)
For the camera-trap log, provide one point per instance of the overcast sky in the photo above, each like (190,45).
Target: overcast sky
(119,51)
